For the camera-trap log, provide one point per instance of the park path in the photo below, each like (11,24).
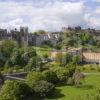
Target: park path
(91,73)
(16,76)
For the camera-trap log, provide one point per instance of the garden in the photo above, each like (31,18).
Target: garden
(57,80)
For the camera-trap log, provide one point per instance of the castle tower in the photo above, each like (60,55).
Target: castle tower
(23,36)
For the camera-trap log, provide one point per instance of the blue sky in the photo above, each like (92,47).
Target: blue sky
(50,15)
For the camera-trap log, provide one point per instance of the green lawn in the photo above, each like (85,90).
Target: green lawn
(73,93)
(43,50)
(90,68)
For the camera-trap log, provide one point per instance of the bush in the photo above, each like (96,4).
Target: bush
(50,76)
(14,90)
(83,68)
(43,88)
(58,58)
(45,56)
(98,68)
(48,43)
(32,78)
(70,81)
(92,68)
(31,64)
(62,73)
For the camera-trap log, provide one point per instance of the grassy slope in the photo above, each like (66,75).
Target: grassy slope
(90,68)
(73,93)
(43,50)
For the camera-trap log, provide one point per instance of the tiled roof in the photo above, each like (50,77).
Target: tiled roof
(92,57)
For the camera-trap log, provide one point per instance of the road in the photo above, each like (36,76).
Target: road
(16,76)
(92,73)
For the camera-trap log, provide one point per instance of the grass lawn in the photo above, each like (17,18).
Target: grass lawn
(73,93)
(43,50)
(90,68)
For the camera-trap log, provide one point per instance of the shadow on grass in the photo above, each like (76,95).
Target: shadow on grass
(61,84)
(56,94)
(86,87)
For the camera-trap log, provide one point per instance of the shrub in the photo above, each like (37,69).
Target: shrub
(71,67)
(62,74)
(50,76)
(43,88)
(31,64)
(14,90)
(45,55)
(48,43)
(76,59)
(32,78)
(83,68)
(98,68)
(92,68)
(58,58)
(70,81)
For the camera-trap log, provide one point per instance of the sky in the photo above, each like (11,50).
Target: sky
(49,15)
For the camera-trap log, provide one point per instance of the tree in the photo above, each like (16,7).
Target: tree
(62,73)
(84,38)
(40,32)
(50,76)
(15,58)
(28,55)
(48,43)
(58,46)
(71,67)
(2,59)
(75,60)
(59,58)
(67,59)
(6,48)
(45,55)
(43,88)
(31,64)
(32,78)
(14,90)
(98,43)
(21,57)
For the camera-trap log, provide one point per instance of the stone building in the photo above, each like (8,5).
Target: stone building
(52,37)
(91,57)
(3,34)
(71,51)
(79,29)
(32,39)
(23,36)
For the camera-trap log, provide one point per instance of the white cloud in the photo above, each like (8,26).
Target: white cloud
(97,11)
(48,17)
(93,18)
(14,23)
(51,16)
(58,15)
(96,0)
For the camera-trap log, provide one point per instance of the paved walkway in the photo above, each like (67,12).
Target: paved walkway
(14,78)
(92,73)
(17,76)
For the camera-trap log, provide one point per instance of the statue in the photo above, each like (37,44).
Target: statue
(78,77)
